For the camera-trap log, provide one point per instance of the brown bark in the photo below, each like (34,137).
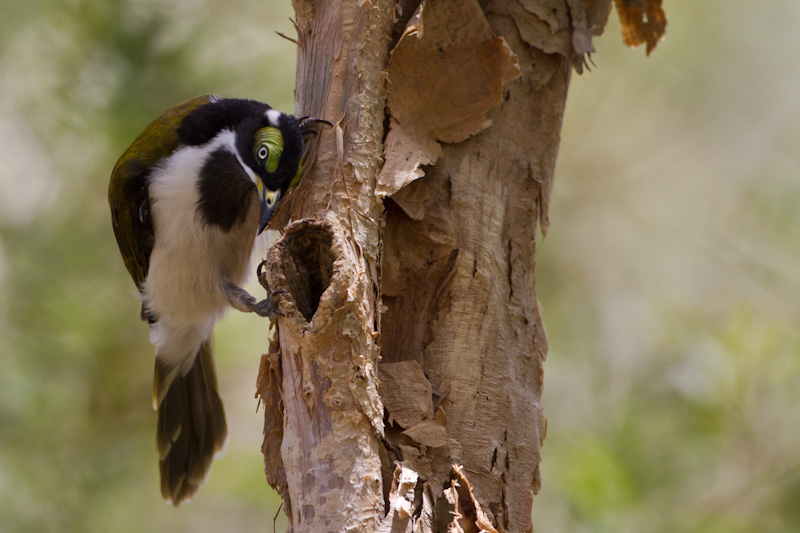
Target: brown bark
(321,372)
(411,259)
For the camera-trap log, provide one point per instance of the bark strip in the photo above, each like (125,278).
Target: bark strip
(329,468)
(409,254)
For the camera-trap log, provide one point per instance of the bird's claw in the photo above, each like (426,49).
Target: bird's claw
(262,275)
(266,308)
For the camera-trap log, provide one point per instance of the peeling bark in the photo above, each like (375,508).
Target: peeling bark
(403,387)
(332,413)
(460,291)
(641,21)
(328,470)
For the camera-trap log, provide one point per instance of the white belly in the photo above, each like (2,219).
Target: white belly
(190,261)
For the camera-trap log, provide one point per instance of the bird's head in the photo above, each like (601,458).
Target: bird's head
(276,150)
(267,144)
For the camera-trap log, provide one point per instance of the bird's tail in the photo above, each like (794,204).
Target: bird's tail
(191,424)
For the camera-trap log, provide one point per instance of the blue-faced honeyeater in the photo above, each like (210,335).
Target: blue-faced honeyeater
(188,199)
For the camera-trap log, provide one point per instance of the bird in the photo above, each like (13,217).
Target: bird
(188,199)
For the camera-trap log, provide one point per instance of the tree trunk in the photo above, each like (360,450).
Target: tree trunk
(402,388)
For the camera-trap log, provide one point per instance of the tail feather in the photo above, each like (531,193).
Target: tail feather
(191,426)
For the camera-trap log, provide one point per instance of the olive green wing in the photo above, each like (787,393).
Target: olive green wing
(127,190)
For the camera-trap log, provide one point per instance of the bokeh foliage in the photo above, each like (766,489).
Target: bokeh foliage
(670,281)
(80,80)
(669,278)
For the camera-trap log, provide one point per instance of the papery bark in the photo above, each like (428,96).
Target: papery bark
(403,387)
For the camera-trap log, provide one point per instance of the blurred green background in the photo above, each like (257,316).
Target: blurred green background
(670,282)
(80,79)
(670,278)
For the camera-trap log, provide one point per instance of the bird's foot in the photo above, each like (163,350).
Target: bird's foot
(267,307)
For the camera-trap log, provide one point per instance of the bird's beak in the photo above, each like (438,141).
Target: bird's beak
(269,200)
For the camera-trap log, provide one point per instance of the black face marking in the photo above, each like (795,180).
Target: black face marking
(203,124)
(225,191)
(290,157)
(292,150)
(244,118)
(245,132)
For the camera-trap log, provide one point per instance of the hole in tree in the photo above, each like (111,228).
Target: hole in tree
(308,266)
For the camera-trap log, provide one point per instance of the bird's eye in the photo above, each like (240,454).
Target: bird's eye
(268,148)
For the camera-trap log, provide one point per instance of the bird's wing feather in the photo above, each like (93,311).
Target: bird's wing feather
(127,191)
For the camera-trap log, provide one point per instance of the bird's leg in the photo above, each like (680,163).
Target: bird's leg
(240,299)
(243,301)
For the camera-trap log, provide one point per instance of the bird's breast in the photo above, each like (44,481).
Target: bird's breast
(192,256)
